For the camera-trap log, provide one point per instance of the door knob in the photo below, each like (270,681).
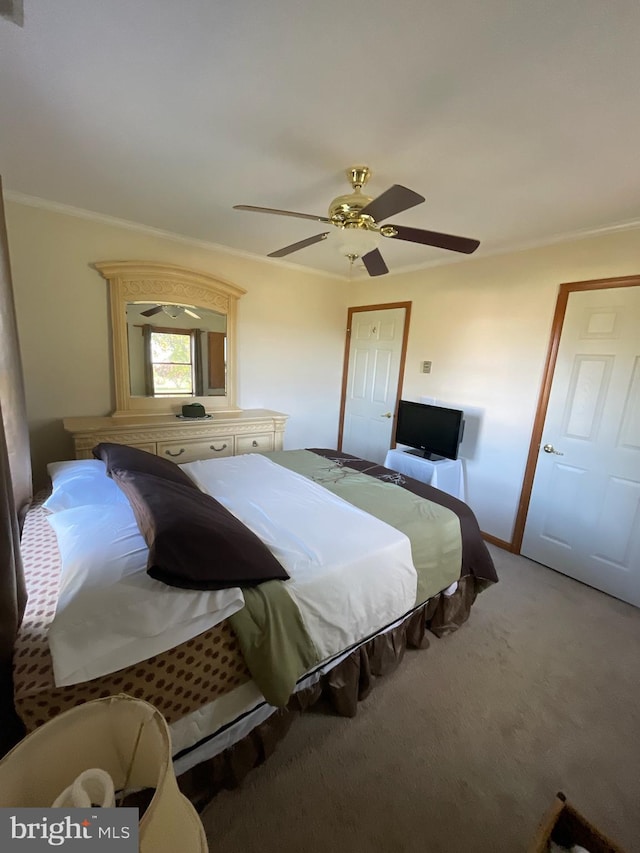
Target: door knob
(386,415)
(549,448)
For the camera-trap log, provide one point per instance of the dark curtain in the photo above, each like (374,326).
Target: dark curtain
(148,369)
(15,489)
(198,369)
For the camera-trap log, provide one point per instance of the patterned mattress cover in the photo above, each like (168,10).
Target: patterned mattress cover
(177,682)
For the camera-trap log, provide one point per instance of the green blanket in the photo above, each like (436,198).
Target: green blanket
(274,641)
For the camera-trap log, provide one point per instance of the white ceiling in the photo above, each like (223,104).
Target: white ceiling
(518,120)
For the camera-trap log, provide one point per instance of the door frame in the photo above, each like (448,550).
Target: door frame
(347,345)
(547,380)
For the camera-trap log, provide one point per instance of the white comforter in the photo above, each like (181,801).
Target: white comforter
(351,574)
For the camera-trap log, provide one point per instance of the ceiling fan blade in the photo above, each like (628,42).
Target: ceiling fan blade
(192,314)
(302,244)
(151,311)
(434,238)
(394,200)
(374,262)
(281,212)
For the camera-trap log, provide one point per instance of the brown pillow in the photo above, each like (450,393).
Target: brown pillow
(195,542)
(122,457)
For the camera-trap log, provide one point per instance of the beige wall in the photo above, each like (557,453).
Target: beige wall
(484,323)
(290,327)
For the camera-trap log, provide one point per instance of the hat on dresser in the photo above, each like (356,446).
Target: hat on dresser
(193,410)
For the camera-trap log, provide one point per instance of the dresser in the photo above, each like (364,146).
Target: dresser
(224,433)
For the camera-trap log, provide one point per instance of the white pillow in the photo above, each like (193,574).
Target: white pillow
(110,613)
(79,482)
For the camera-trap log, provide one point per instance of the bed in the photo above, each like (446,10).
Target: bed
(224,689)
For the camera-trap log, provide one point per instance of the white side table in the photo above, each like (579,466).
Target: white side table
(445,474)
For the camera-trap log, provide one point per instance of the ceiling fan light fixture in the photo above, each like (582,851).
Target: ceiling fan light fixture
(354,242)
(172,311)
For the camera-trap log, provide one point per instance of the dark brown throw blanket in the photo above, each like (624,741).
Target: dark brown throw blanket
(476,559)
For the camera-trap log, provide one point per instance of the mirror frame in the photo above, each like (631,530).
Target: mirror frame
(149,281)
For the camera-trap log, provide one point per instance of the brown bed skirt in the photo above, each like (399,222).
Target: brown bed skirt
(343,687)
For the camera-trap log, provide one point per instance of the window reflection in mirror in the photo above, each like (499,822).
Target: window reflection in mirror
(176,350)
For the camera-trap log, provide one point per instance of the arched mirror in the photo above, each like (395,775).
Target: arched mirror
(173,337)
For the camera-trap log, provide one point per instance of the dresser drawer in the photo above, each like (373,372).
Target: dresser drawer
(148,446)
(262,443)
(189,451)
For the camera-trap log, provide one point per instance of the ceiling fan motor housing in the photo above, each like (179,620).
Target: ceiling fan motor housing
(345,209)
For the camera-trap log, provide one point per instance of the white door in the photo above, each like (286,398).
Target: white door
(584,514)
(373,370)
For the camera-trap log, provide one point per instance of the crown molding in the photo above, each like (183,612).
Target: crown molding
(520,246)
(105,219)
(524,246)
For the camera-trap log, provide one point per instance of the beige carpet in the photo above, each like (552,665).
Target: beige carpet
(464,746)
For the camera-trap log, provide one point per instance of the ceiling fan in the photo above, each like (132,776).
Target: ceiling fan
(171,311)
(357,217)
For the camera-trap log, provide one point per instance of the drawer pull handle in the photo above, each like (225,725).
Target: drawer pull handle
(254,443)
(217,449)
(179,453)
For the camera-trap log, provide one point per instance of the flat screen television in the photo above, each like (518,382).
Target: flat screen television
(435,431)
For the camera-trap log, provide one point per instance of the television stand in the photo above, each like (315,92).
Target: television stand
(445,474)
